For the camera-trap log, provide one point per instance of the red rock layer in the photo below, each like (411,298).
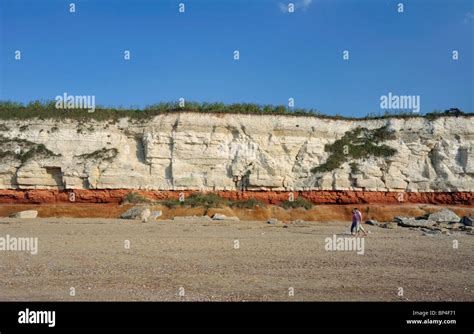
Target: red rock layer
(46,196)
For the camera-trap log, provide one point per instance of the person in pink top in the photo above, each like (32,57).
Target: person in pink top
(356,226)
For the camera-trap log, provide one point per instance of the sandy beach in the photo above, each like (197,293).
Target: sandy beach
(200,260)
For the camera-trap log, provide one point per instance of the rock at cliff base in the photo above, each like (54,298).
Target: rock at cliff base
(455,226)
(28,214)
(388,225)
(272,221)
(155,214)
(467,221)
(219,216)
(430,233)
(412,222)
(300,222)
(444,216)
(372,222)
(137,212)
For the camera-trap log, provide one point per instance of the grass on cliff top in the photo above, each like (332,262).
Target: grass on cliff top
(47,110)
(360,143)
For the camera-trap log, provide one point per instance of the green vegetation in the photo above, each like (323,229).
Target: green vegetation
(103,154)
(47,110)
(197,200)
(208,200)
(38,150)
(205,200)
(171,203)
(135,198)
(300,202)
(211,201)
(10,154)
(250,203)
(360,143)
(354,167)
(22,149)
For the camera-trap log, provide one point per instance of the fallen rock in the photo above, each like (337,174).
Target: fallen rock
(468,221)
(272,221)
(219,216)
(455,226)
(28,214)
(137,212)
(412,222)
(155,214)
(381,225)
(428,232)
(300,222)
(444,225)
(389,225)
(444,216)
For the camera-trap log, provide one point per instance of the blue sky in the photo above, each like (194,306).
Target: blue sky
(282,55)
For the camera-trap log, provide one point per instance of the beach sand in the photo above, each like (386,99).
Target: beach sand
(197,260)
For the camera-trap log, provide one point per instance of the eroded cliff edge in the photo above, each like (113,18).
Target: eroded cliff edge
(195,151)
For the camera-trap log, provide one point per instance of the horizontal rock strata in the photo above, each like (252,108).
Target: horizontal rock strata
(430,161)
(38,196)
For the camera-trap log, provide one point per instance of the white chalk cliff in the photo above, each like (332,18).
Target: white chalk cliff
(231,151)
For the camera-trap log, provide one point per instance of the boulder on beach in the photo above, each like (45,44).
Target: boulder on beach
(428,232)
(372,222)
(28,214)
(413,222)
(444,216)
(220,216)
(389,225)
(137,212)
(467,221)
(300,222)
(272,221)
(155,214)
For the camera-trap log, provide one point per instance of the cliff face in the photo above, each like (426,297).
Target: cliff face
(194,151)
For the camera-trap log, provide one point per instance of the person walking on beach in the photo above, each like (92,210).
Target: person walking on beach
(357,222)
